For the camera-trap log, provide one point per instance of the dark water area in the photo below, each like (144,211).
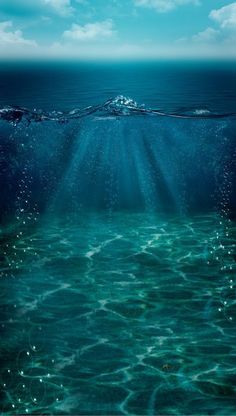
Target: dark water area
(168,86)
(117,275)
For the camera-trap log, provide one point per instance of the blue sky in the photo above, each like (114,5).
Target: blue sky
(116,29)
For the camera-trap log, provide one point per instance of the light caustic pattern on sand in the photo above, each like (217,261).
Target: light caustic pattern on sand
(119,314)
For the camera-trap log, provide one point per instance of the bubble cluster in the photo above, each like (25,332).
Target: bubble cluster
(15,251)
(29,384)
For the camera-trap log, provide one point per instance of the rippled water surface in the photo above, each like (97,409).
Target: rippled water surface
(166,85)
(117,209)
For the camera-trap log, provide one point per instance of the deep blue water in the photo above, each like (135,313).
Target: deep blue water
(118,238)
(165,85)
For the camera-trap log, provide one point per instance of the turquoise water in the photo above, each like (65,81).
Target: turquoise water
(123,313)
(117,273)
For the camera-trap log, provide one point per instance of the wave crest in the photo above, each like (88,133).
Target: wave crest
(118,106)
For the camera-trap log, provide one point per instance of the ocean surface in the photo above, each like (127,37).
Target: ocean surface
(117,209)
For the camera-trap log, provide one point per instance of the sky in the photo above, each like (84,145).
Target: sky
(117,29)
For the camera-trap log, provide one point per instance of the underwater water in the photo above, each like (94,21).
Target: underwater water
(117,278)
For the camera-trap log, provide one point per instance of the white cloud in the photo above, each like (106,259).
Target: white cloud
(225,31)
(13,37)
(163,6)
(61,7)
(225,17)
(182,40)
(207,35)
(90,31)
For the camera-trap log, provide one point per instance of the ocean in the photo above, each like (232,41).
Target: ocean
(118,227)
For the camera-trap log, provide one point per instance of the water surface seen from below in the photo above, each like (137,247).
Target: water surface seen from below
(117,210)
